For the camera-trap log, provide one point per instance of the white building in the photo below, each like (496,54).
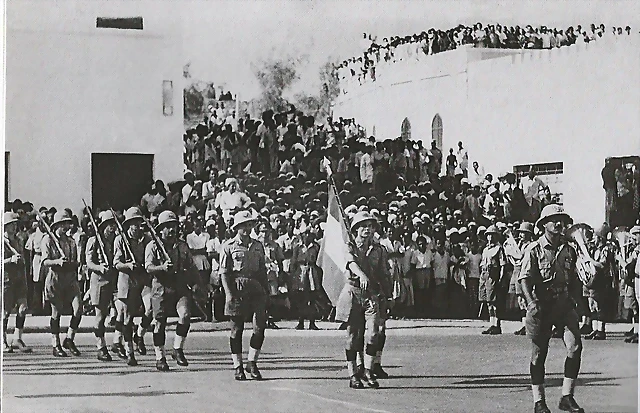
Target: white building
(93,112)
(564,110)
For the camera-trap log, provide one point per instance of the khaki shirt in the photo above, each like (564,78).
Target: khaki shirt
(555,268)
(13,271)
(374,263)
(240,260)
(184,271)
(50,252)
(93,254)
(121,254)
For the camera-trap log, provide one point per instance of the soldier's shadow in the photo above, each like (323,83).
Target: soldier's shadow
(516,382)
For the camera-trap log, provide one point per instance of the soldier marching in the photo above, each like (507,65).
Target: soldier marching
(156,271)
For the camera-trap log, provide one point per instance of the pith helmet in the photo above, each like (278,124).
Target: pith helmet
(106,217)
(526,227)
(132,215)
(242,217)
(552,210)
(10,217)
(60,217)
(362,217)
(166,218)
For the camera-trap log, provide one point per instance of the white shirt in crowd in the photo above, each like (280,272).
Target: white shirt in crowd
(421,259)
(228,201)
(186,193)
(531,188)
(214,245)
(477,178)
(366,169)
(462,157)
(208,190)
(199,242)
(473,264)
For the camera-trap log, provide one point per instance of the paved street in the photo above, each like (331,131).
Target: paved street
(436,366)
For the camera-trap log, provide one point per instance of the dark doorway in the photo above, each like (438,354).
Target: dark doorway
(119,179)
(621,181)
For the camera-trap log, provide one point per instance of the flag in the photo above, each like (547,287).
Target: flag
(332,257)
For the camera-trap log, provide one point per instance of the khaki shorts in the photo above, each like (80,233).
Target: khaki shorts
(14,292)
(61,288)
(489,290)
(250,298)
(165,299)
(352,301)
(132,286)
(101,291)
(559,311)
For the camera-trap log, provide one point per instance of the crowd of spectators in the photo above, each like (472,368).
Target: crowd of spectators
(433,210)
(397,48)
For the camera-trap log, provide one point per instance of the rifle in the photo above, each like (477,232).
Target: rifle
(50,233)
(160,245)
(122,233)
(98,237)
(8,244)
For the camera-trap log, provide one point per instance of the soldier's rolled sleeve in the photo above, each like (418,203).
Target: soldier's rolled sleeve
(118,251)
(150,257)
(225,262)
(348,257)
(529,266)
(46,247)
(91,255)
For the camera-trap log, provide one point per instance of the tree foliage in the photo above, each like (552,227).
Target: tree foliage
(275,76)
(319,104)
(193,102)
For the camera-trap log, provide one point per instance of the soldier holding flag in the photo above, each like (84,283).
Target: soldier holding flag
(359,302)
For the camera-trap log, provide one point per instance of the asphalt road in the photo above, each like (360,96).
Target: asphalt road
(437,368)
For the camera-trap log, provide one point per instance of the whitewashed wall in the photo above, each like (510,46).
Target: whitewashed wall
(576,105)
(73,90)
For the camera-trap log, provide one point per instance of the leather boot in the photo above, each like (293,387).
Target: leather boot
(161,365)
(541,407)
(71,346)
(103,355)
(178,356)
(370,379)
(568,404)
(252,369)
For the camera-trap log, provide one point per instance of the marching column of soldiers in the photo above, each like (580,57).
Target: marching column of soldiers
(566,272)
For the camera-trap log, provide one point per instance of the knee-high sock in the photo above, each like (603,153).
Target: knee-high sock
(73,327)
(181,335)
(144,325)
(537,381)
(159,338)
(117,334)
(381,340)
(99,333)
(351,361)
(54,324)
(127,332)
(17,333)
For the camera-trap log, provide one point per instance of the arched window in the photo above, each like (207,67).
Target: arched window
(405,130)
(436,130)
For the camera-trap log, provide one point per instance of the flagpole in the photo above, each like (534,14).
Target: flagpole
(332,183)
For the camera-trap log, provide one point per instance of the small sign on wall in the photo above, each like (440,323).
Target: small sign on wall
(167,97)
